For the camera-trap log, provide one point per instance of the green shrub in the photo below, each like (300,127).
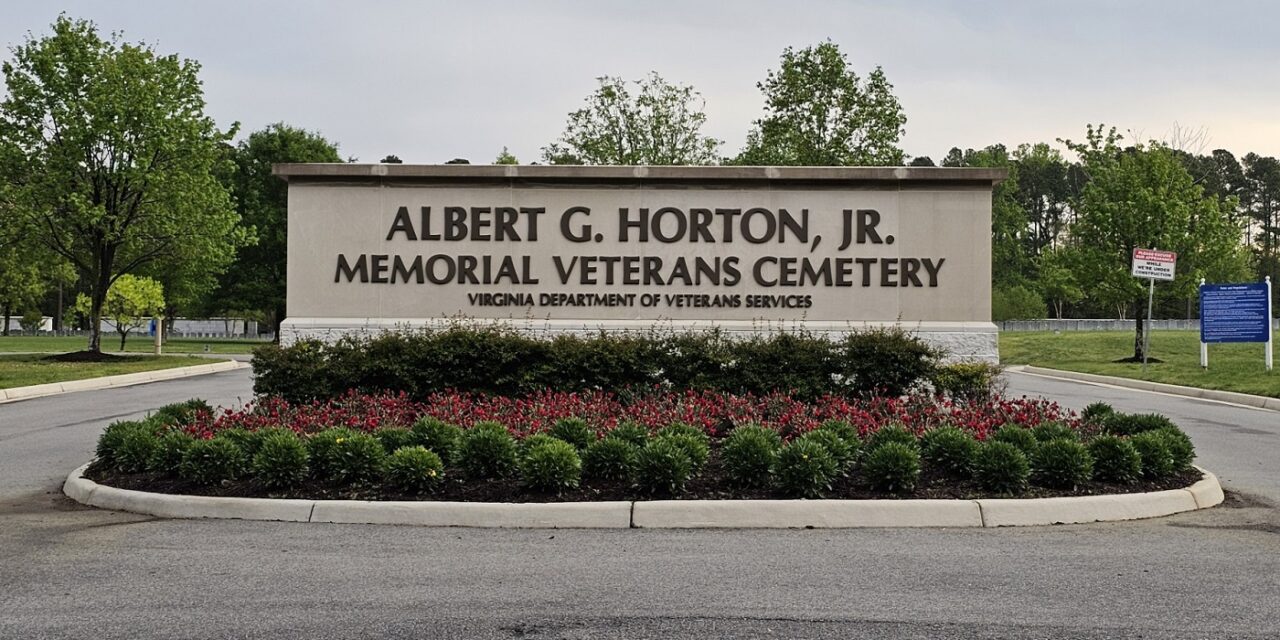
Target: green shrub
(551,466)
(1096,413)
(1115,460)
(891,433)
(1047,431)
(968,381)
(694,446)
(887,362)
(840,451)
(413,469)
(168,457)
(181,413)
(892,467)
(501,361)
(796,362)
(487,450)
(846,431)
(1020,437)
(322,449)
(355,460)
(438,436)
(662,467)
(632,432)
(950,450)
(1016,303)
(1181,452)
(111,438)
(1061,464)
(609,459)
(683,429)
(748,454)
(245,439)
(1153,448)
(212,461)
(1128,424)
(395,438)
(1001,467)
(575,431)
(136,449)
(533,440)
(804,468)
(281,461)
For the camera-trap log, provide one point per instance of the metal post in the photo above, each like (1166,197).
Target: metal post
(1146,335)
(1204,346)
(159,332)
(1270,331)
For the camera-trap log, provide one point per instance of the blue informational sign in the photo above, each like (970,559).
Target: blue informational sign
(1235,313)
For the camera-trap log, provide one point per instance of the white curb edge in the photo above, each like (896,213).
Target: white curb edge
(1229,397)
(663,514)
(122,380)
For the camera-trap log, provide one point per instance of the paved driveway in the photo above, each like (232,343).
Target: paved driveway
(69,571)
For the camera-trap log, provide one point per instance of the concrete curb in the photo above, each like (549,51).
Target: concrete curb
(1257,402)
(663,514)
(123,380)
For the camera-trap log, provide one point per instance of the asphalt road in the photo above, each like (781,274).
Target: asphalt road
(69,571)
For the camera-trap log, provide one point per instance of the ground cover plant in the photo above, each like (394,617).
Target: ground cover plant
(599,446)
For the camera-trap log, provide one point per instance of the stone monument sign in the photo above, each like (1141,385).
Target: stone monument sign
(580,249)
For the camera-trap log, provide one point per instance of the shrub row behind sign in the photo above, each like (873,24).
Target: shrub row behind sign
(498,361)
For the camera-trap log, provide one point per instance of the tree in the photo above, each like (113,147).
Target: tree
(112,158)
(1262,203)
(256,281)
(1010,264)
(1057,279)
(921,161)
(1042,193)
(22,283)
(1142,197)
(505,158)
(819,112)
(649,121)
(459,161)
(130,302)
(391,159)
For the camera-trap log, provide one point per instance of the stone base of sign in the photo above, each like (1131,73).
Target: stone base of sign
(967,341)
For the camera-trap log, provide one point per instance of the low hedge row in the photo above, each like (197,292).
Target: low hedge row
(890,460)
(498,361)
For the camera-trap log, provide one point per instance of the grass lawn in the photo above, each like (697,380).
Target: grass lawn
(1232,367)
(135,344)
(28,369)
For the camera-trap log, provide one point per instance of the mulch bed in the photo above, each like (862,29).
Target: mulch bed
(709,485)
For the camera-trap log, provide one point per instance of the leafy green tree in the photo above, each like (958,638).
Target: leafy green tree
(921,161)
(649,121)
(391,159)
(1042,193)
(112,159)
(256,281)
(818,111)
(1142,197)
(459,161)
(22,282)
(131,301)
(505,158)
(1056,279)
(1262,204)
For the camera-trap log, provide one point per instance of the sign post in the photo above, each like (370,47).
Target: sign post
(1153,265)
(1235,313)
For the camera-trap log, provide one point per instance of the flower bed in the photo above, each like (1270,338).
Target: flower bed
(634,445)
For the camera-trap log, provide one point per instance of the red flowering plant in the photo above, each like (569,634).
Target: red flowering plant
(714,411)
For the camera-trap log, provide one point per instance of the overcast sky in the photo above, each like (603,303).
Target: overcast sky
(434,81)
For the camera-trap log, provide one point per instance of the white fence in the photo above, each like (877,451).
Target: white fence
(1102,325)
(182,327)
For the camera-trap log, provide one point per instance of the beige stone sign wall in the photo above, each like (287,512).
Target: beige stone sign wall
(588,248)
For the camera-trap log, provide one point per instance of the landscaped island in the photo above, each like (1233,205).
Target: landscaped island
(873,416)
